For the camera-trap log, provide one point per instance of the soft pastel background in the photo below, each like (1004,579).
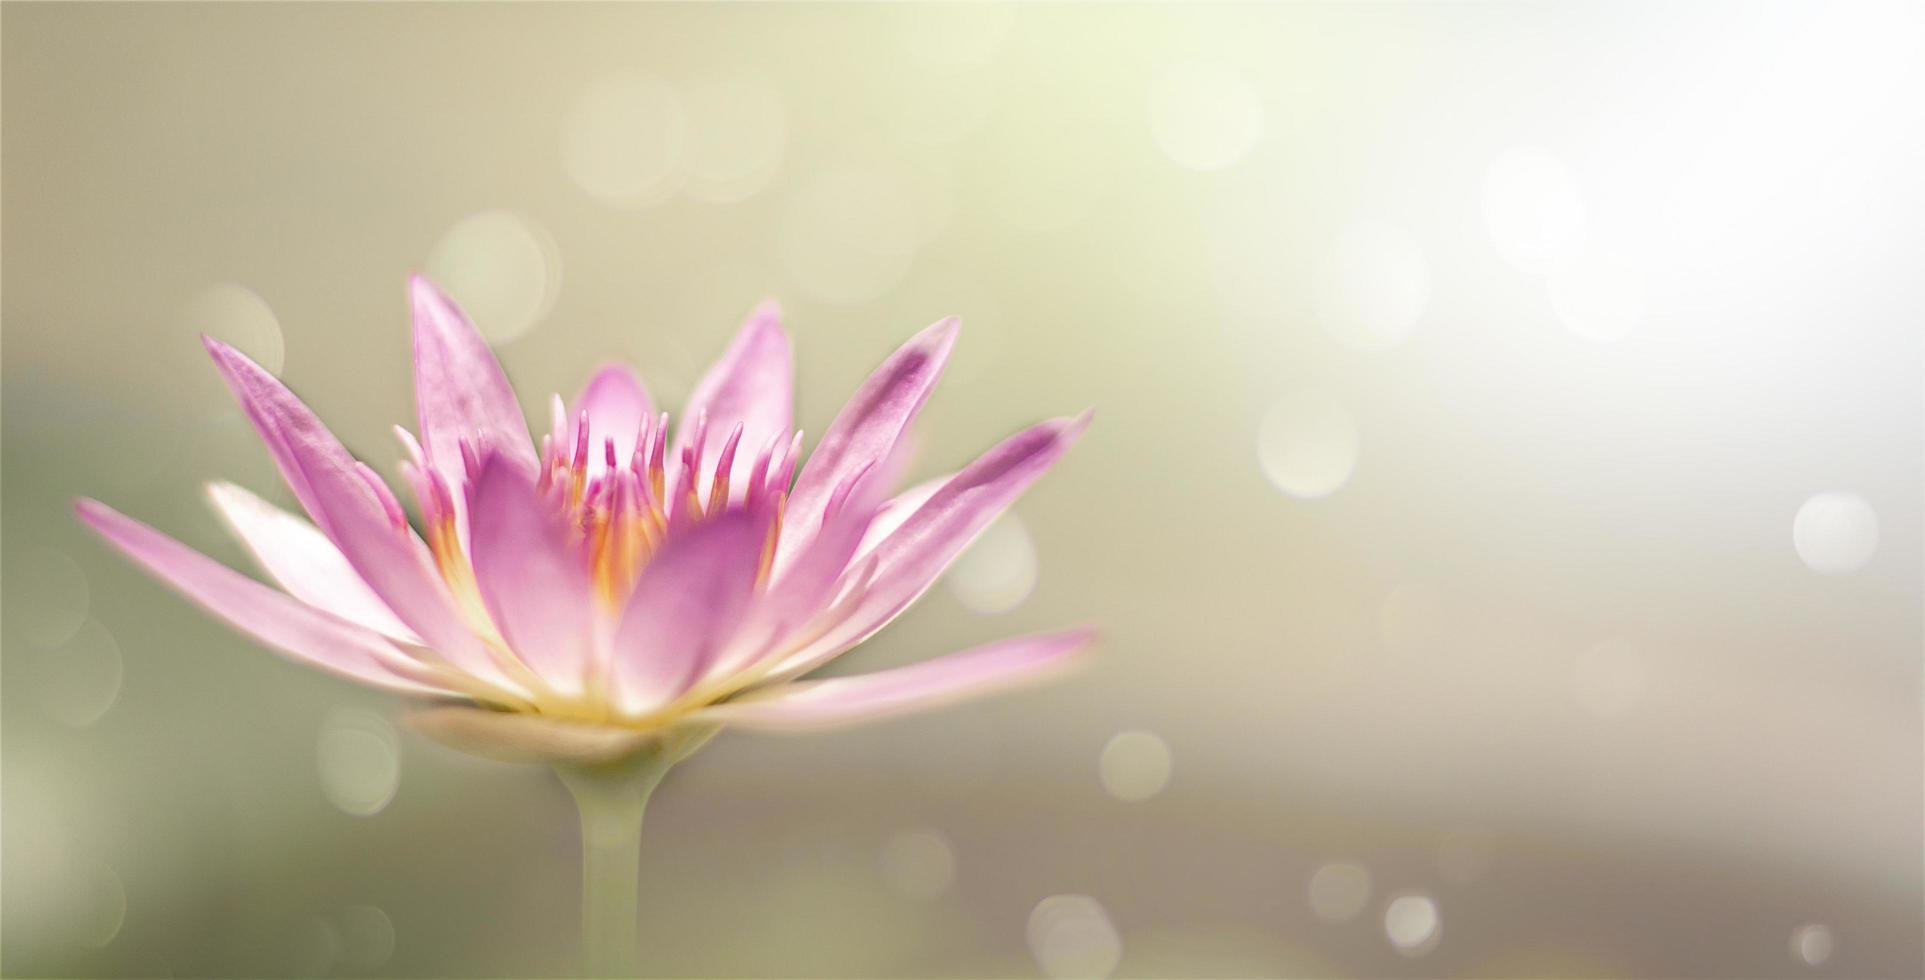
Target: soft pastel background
(1504,505)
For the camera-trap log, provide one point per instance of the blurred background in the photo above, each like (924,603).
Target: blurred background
(1503,508)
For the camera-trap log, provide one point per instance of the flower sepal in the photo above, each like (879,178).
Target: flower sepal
(507,736)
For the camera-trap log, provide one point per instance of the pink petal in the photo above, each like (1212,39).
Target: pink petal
(750,385)
(295,437)
(897,510)
(258,391)
(459,389)
(866,697)
(535,582)
(935,533)
(810,582)
(617,405)
(395,563)
(357,514)
(686,607)
(798,594)
(302,559)
(304,633)
(869,428)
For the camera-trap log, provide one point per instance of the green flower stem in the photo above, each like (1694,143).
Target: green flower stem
(611,798)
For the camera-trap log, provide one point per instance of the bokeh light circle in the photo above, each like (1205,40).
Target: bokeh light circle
(1072,936)
(1412,924)
(998,571)
(1135,766)
(1835,533)
(1339,891)
(1307,445)
(503,270)
(623,138)
(83,677)
(359,757)
(367,937)
(919,863)
(1812,944)
(102,909)
(237,315)
(1203,116)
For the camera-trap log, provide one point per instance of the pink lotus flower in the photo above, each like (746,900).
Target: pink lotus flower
(622,576)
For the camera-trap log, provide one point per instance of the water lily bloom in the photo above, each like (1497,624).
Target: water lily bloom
(625,575)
